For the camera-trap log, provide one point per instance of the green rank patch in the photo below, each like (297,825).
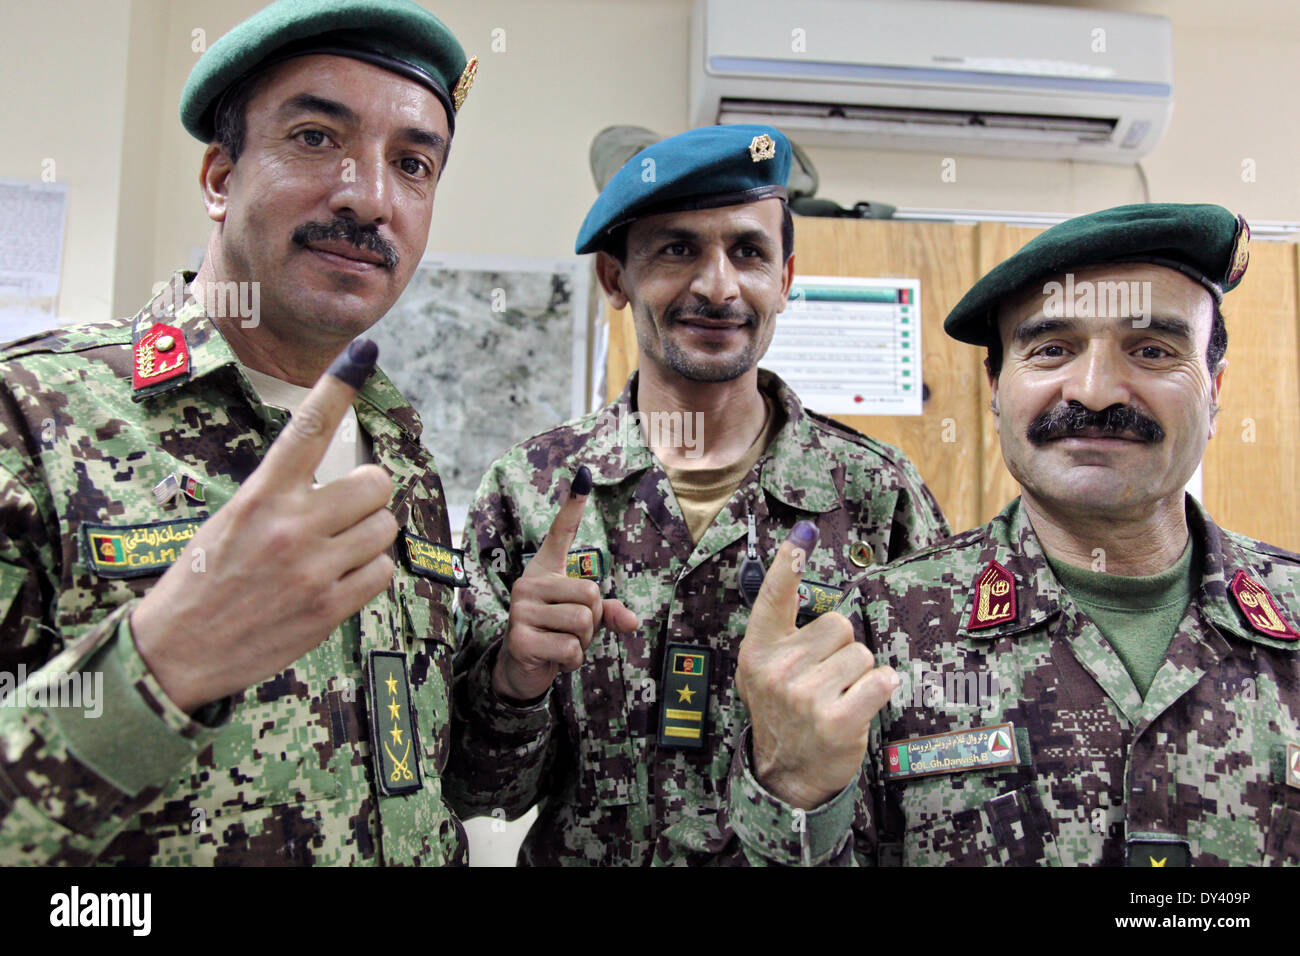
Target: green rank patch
(437,561)
(816,599)
(586,563)
(684,707)
(1156,849)
(392,731)
(982,748)
(137,550)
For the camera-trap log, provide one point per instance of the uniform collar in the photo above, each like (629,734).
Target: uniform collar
(176,306)
(1009,540)
(615,451)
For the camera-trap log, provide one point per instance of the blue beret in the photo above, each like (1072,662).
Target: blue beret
(1204,242)
(398,35)
(699,169)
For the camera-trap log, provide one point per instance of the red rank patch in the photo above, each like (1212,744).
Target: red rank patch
(160,355)
(995,598)
(1260,608)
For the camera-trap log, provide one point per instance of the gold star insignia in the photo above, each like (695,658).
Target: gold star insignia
(396,734)
(684,695)
(394,710)
(392,685)
(1159,862)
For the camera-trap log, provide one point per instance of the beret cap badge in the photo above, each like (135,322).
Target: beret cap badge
(762,147)
(461,89)
(1240,252)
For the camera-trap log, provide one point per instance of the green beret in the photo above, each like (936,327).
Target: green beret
(398,35)
(1204,242)
(699,169)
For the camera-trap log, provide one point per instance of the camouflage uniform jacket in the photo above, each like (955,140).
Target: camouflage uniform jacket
(284,775)
(588,752)
(1196,772)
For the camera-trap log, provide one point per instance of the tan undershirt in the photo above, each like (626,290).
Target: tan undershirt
(349,447)
(701,492)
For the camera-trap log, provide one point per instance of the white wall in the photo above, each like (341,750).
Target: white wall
(64,99)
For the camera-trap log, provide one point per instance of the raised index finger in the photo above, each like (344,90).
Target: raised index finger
(297,453)
(552,556)
(777,605)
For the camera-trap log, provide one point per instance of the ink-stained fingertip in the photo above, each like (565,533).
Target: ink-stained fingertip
(356,363)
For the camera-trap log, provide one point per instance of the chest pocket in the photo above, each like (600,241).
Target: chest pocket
(427,640)
(596,707)
(976,825)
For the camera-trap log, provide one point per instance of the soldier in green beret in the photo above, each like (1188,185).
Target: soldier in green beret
(614,557)
(1098,676)
(225,574)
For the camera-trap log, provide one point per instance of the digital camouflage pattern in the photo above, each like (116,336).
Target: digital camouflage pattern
(1201,759)
(588,752)
(284,776)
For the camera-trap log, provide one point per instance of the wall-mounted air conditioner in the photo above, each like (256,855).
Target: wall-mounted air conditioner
(946,76)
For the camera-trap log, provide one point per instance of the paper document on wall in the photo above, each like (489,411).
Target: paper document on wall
(851,346)
(31,252)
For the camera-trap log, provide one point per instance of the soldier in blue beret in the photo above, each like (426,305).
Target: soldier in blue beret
(608,701)
(1100,676)
(264,600)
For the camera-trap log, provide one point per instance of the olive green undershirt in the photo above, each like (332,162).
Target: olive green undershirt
(701,492)
(1138,616)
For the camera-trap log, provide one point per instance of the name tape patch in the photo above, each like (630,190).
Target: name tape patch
(981,748)
(137,550)
(435,560)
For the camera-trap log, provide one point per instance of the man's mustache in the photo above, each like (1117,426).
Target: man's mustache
(363,237)
(1071,418)
(723,313)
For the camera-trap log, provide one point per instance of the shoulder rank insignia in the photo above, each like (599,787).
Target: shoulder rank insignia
(397,761)
(437,561)
(1260,609)
(762,147)
(685,704)
(134,551)
(1240,252)
(159,356)
(1156,849)
(995,598)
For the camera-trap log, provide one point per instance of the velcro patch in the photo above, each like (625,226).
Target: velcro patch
(981,748)
(437,561)
(1293,765)
(1260,609)
(137,550)
(995,598)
